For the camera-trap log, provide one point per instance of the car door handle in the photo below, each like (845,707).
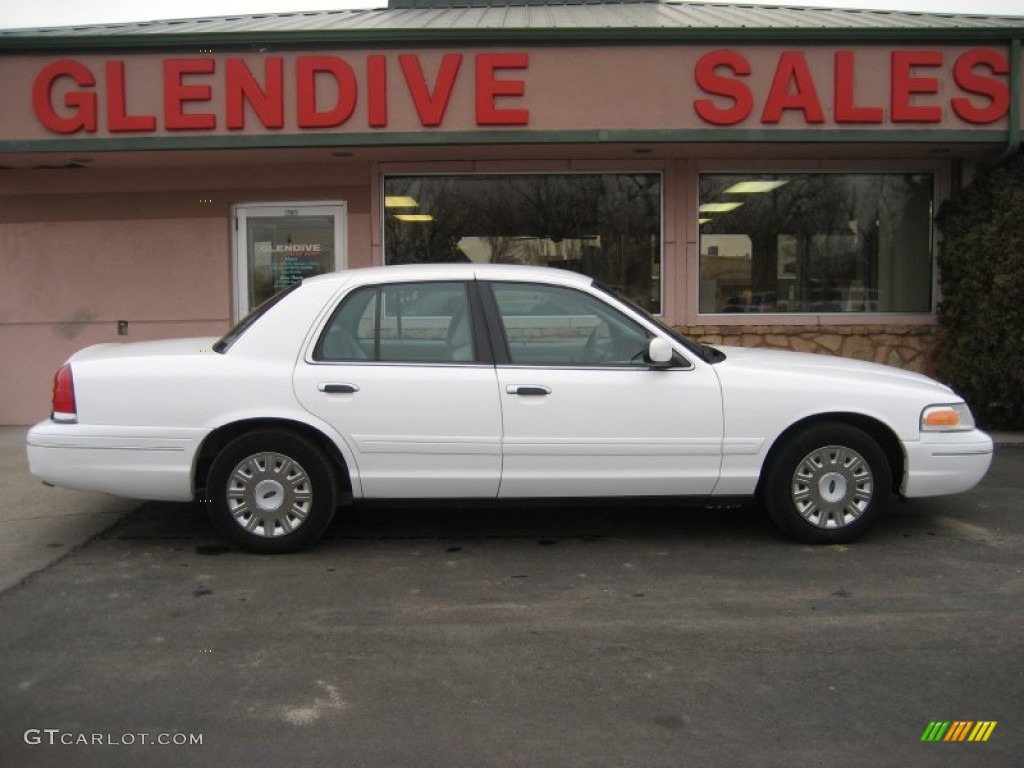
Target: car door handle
(337,389)
(528,389)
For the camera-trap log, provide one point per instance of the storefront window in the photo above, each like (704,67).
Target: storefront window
(818,243)
(607,226)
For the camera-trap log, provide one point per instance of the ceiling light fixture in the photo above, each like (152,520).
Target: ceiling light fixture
(399,201)
(719,207)
(754,187)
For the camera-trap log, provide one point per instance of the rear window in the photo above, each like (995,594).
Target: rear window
(225,342)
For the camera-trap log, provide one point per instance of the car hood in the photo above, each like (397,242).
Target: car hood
(805,364)
(139,349)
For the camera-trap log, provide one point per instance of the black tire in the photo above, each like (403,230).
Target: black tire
(272,491)
(827,484)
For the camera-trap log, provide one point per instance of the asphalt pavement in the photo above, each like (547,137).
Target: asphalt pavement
(40,525)
(562,635)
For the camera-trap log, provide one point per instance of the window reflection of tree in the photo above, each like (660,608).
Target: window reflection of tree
(603,225)
(842,229)
(420,242)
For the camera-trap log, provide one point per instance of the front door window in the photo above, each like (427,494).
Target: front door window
(550,325)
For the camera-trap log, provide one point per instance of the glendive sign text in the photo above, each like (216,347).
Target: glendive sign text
(188,85)
(324,92)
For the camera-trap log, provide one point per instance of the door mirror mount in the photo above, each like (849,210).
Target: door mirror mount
(659,353)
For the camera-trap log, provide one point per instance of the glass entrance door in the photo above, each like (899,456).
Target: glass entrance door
(278,244)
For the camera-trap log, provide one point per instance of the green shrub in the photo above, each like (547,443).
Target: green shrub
(981,275)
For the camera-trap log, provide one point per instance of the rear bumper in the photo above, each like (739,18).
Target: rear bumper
(135,462)
(941,463)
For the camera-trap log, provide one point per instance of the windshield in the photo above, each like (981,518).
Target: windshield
(247,322)
(703,351)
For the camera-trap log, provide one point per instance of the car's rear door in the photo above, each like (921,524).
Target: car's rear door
(583,414)
(401,371)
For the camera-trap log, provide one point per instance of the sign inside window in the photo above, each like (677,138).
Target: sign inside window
(283,250)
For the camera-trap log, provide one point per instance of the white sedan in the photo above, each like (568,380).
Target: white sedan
(491,382)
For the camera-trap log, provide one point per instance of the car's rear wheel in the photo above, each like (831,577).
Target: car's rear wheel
(827,484)
(271,491)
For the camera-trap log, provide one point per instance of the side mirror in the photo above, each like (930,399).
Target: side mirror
(659,353)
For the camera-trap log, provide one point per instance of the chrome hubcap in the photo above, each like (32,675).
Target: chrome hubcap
(832,486)
(269,494)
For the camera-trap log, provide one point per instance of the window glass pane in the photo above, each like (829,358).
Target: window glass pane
(607,226)
(350,333)
(411,322)
(426,322)
(284,249)
(547,325)
(815,242)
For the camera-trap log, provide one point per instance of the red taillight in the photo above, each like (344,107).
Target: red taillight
(64,408)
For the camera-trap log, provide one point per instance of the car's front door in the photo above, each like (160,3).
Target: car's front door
(397,371)
(584,414)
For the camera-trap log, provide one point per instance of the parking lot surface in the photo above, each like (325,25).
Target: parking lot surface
(562,635)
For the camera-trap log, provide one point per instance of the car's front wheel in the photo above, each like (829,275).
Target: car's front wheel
(271,491)
(827,484)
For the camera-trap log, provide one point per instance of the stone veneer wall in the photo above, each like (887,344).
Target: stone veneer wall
(903,346)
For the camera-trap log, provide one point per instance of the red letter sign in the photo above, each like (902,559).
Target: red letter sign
(904,86)
(996,90)
(307,68)
(488,89)
(118,119)
(241,87)
(430,106)
(83,104)
(709,82)
(792,68)
(845,109)
(176,93)
(377,82)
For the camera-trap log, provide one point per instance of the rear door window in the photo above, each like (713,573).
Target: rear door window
(426,322)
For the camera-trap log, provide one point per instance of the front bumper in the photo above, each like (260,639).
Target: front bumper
(134,462)
(941,463)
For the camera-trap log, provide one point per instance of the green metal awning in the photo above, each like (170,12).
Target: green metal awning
(427,22)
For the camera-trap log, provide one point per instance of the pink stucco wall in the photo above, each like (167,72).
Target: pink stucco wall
(81,250)
(72,282)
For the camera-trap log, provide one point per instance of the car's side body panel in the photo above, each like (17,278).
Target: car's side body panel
(431,431)
(946,463)
(765,392)
(610,432)
(135,462)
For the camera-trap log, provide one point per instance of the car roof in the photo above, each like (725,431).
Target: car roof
(454,271)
